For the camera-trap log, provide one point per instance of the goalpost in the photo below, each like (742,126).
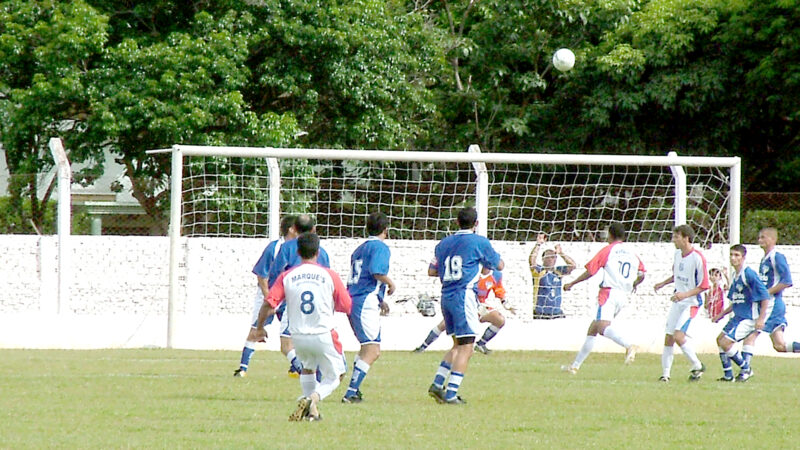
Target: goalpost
(242,191)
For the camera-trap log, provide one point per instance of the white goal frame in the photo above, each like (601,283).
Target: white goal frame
(474,156)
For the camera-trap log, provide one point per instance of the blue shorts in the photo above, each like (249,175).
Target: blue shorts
(460,311)
(365,319)
(739,328)
(775,322)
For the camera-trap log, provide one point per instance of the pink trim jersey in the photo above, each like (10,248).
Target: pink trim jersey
(620,267)
(689,271)
(312,293)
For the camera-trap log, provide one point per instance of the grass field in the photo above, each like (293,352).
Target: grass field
(188,399)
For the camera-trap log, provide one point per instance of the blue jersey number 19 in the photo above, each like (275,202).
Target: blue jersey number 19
(452,268)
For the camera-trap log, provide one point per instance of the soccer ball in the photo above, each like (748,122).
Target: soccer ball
(563,59)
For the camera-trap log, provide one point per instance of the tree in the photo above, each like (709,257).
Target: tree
(356,74)
(502,91)
(46,51)
(186,88)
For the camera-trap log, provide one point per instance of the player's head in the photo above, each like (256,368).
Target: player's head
(304,224)
(287,223)
(682,236)
(549,258)
(308,245)
(377,223)
(616,232)
(767,238)
(467,218)
(685,231)
(738,252)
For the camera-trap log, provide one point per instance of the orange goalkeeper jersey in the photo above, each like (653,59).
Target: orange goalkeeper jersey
(492,282)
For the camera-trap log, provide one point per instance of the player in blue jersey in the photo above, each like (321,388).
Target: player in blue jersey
(751,305)
(774,272)
(261,270)
(457,262)
(287,258)
(368,283)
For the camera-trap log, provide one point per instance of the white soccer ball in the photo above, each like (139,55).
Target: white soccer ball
(563,59)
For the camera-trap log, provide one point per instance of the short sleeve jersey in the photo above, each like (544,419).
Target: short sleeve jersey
(620,267)
(261,269)
(689,271)
(491,283)
(369,259)
(547,283)
(459,258)
(287,258)
(773,270)
(745,293)
(312,293)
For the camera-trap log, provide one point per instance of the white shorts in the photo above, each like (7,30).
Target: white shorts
(258,300)
(323,351)
(680,316)
(610,303)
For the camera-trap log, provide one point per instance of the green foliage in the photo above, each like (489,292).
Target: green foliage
(192,401)
(786,222)
(356,74)
(15,220)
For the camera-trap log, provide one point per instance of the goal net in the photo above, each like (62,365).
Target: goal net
(234,192)
(229,196)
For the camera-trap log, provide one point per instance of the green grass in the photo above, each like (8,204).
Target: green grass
(188,399)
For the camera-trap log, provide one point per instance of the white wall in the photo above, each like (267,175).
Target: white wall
(120,286)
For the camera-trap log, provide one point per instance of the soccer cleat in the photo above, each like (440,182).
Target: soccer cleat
(241,373)
(725,379)
(482,348)
(630,354)
(437,393)
(457,400)
(293,373)
(419,349)
(695,374)
(744,375)
(570,370)
(355,398)
(303,406)
(663,379)
(312,418)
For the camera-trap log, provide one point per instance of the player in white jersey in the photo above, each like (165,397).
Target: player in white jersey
(751,305)
(261,270)
(368,282)
(622,272)
(690,275)
(312,293)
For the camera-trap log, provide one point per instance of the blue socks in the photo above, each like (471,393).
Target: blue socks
(441,375)
(247,354)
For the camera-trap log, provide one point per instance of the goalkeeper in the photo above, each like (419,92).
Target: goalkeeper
(547,279)
(491,282)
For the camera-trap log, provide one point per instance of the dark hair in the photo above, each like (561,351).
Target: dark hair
(304,223)
(685,231)
(307,245)
(376,223)
(287,223)
(467,218)
(739,248)
(714,270)
(617,231)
